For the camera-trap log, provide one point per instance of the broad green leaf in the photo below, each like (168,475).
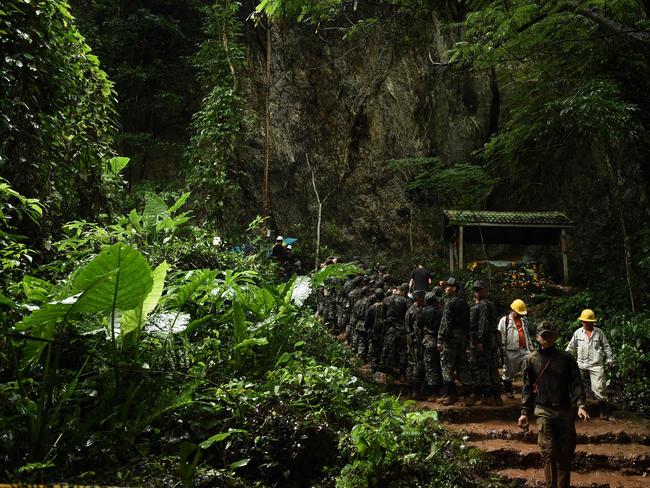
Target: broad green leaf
(155,209)
(133,320)
(215,438)
(255,341)
(118,164)
(118,278)
(239,322)
(36,290)
(179,203)
(6,301)
(240,464)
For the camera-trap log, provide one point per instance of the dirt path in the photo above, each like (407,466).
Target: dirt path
(613,452)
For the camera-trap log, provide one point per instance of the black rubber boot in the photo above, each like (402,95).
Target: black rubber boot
(469,398)
(507,387)
(604,410)
(449,396)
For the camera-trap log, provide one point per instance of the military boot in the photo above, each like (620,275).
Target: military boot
(484,393)
(469,398)
(449,396)
(498,401)
(507,386)
(604,411)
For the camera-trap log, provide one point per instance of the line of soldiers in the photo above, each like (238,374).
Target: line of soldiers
(426,338)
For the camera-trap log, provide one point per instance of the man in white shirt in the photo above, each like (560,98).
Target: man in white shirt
(593,352)
(516,343)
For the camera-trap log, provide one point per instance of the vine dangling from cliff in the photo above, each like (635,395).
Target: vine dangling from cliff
(216,127)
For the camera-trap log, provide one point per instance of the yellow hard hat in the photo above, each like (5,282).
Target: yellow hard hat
(587,315)
(519,306)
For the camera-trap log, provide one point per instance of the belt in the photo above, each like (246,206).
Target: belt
(553,405)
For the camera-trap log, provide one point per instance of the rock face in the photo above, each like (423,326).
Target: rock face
(350,106)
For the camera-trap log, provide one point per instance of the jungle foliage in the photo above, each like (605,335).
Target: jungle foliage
(120,352)
(147,47)
(57,112)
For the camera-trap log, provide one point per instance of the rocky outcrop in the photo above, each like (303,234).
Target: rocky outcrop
(350,106)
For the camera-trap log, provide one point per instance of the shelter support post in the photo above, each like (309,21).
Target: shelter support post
(565,257)
(451,256)
(460,248)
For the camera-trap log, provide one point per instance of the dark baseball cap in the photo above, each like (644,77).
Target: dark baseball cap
(452,282)
(479,284)
(545,327)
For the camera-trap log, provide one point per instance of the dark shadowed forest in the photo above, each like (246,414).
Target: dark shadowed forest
(152,150)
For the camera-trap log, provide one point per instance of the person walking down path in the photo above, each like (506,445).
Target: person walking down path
(516,343)
(552,389)
(452,344)
(484,363)
(594,353)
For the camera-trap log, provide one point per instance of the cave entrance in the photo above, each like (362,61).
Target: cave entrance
(486,227)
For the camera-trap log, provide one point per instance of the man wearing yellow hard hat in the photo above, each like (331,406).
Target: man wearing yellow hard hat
(593,353)
(515,341)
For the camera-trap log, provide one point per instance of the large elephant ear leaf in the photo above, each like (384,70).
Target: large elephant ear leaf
(133,320)
(119,278)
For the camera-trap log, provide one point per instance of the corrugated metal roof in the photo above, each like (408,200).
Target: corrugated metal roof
(489,217)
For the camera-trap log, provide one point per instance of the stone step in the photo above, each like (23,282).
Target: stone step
(596,431)
(534,478)
(459,414)
(628,459)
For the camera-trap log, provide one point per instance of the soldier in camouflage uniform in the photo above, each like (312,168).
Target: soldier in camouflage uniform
(393,355)
(353,296)
(414,335)
(452,343)
(359,311)
(375,319)
(483,350)
(431,317)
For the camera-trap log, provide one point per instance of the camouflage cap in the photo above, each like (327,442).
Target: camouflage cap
(545,327)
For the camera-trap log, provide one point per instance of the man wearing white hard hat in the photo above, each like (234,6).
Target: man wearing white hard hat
(593,353)
(516,343)
(279,252)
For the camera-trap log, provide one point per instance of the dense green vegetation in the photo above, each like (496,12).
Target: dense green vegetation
(212,375)
(134,351)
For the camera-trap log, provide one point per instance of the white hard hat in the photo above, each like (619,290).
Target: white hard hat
(289,246)
(279,238)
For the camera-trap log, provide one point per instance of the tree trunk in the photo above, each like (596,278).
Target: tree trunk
(618,198)
(267,122)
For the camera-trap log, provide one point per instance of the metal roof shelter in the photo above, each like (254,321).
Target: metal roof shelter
(493,227)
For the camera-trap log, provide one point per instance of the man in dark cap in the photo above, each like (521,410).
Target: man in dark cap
(393,355)
(431,317)
(452,343)
(483,357)
(553,388)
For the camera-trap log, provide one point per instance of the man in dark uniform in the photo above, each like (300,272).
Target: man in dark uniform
(431,317)
(420,279)
(279,252)
(452,343)
(414,335)
(483,356)
(359,310)
(553,387)
(375,317)
(393,355)
(353,296)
